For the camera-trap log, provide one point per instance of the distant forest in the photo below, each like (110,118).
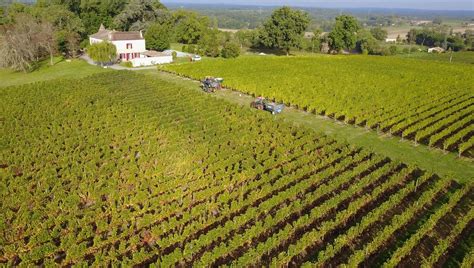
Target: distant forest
(250,17)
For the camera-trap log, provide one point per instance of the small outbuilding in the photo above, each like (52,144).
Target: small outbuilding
(151,57)
(436,50)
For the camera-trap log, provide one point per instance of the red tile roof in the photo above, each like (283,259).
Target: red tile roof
(112,35)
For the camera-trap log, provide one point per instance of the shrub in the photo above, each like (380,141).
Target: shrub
(103,52)
(230,50)
(191,49)
(393,50)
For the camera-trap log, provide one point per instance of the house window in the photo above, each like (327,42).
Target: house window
(129,46)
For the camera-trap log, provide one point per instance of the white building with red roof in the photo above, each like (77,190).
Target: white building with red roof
(130,45)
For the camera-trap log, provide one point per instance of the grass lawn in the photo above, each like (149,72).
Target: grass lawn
(433,160)
(61,69)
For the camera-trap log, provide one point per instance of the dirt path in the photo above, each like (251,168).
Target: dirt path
(433,160)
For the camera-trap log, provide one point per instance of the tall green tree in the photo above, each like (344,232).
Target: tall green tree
(367,43)
(379,33)
(96,12)
(344,34)
(103,52)
(189,27)
(68,26)
(284,29)
(157,37)
(137,13)
(316,40)
(209,43)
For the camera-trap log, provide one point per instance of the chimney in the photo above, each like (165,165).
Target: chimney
(141,34)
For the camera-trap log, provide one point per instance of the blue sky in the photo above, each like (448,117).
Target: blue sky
(417,4)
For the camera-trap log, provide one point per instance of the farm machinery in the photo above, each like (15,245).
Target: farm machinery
(263,104)
(211,84)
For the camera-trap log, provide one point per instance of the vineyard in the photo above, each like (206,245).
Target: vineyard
(427,102)
(123,168)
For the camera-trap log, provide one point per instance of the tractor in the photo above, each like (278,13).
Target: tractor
(211,84)
(263,104)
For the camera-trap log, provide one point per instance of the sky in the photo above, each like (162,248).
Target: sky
(412,4)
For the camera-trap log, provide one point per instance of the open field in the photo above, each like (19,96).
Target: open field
(61,69)
(425,101)
(180,178)
(457,57)
(402,31)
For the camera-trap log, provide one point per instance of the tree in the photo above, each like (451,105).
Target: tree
(47,40)
(438,21)
(411,36)
(103,52)
(379,33)
(313,43)
(399,39)
(456,42)
(67,26)
(189,27)
(469,39)
(247,38)
(137,13)
(26,41)
(367,44)
(158,37)
(18,46)
(209,43)
(230,50)
(93,13)
(344,34)
(284,29)
(72,43)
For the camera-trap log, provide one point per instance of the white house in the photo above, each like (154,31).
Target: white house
(130,47)
(390,40)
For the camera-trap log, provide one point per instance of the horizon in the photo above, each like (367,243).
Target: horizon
(458,5)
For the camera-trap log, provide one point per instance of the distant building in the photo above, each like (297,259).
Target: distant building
(420,22)
(130,45)
(308,35)
(435,50)
(390,40)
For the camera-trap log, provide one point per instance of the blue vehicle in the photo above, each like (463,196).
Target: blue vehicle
(263,104)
